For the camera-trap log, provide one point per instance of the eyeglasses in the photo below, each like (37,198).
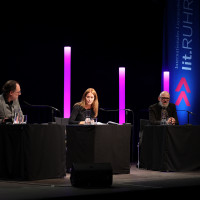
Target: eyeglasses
(164,98)
(19,92)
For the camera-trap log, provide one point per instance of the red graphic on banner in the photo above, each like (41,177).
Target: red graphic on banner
(182,94)
(183,82)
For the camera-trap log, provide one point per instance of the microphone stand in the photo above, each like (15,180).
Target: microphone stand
(126,116)
(188,115)
(45,106)
(127,110)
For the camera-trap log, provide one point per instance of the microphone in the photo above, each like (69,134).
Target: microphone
(108,110)
(43,106)
(27,103)
(187,112)
(127,110)
(190,112)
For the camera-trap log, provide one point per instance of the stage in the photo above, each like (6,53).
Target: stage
(139,183)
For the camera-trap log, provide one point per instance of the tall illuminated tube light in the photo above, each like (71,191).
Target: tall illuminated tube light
(166,81)
(67,81)
(121,95)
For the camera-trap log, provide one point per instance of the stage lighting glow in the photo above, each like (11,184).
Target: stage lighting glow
(121,95)
(67,81)
(166,81)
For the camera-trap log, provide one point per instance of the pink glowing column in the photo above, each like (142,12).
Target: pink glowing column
(166,81)
(67,81)
(121,95)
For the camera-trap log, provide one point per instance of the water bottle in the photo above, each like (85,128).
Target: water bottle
(87,117)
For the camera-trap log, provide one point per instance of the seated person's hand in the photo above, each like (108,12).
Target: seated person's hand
(171,121)
(6,120)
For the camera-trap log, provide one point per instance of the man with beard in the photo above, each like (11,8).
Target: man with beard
(163,109)
(9,102)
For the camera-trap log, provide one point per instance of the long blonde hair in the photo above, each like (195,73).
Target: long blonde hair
(95,104)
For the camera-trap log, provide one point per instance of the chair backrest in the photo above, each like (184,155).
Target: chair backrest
(143,122)
(61,121)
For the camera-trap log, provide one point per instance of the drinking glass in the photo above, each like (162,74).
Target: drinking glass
(94,121)
(24,121)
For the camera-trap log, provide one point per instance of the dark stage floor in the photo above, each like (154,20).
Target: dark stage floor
(139,183)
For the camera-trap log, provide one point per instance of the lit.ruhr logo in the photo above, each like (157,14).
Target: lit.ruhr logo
(182,94)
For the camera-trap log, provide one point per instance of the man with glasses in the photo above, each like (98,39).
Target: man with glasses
(9,103)
(163,109)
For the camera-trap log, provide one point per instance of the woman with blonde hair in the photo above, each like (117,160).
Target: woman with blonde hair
(88,104)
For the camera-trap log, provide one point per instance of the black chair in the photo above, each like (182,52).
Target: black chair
(61,121)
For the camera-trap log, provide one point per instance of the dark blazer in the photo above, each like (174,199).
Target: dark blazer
(155,113)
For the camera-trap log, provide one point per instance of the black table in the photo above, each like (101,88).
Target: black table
(30,152)
(99,144)
(170,148)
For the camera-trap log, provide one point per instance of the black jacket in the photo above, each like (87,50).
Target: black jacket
(79,114)
(155,113)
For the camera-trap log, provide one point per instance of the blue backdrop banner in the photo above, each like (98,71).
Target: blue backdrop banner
(181,57)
